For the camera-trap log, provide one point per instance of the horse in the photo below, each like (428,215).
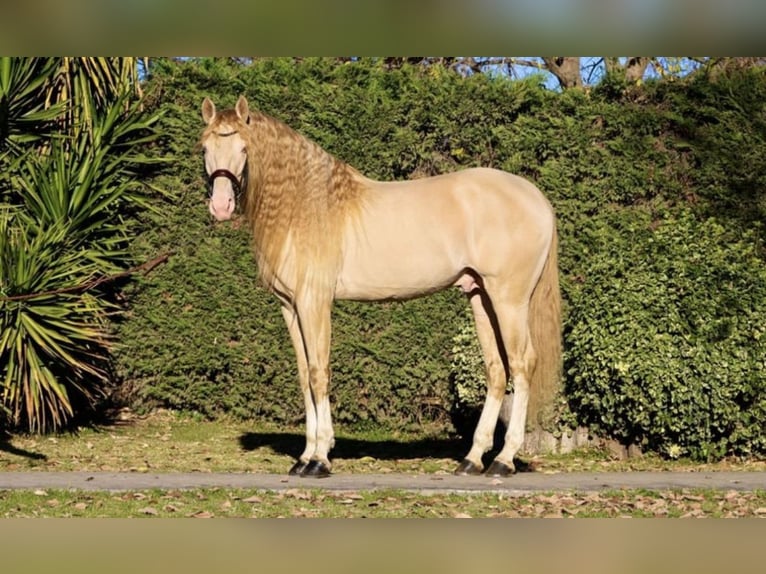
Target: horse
(322,231)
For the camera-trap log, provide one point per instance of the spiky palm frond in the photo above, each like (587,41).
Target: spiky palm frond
(52,345)
(62,223)
(25,117)
(92,84)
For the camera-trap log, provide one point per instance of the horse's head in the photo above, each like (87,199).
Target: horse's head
(225,154)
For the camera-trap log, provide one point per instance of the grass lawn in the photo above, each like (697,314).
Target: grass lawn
(169,442)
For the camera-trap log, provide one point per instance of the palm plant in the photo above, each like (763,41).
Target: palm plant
(24,112)
(93,83)
(72,159)
(52,342)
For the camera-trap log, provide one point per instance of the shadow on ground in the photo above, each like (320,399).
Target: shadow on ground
(6,446)
(291,444)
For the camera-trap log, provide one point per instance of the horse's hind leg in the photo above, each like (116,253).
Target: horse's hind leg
(496,366)
(513,321)
(501,316)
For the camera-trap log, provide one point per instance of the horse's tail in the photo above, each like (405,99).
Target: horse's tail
(545,331)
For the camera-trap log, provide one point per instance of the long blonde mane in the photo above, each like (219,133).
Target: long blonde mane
(298,200)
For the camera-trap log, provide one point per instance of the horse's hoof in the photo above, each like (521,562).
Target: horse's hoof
(500,469)
(316,469)
(467,468)
(298,468)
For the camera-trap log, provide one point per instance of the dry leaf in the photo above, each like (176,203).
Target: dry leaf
(148,510)
(297,493)
(203,514)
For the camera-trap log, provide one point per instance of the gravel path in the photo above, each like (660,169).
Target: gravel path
(519,484)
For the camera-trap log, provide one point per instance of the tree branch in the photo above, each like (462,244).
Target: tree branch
(95,282)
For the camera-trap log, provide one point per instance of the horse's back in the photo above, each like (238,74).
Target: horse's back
(417,236)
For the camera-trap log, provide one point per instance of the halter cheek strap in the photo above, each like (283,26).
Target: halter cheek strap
(236,182)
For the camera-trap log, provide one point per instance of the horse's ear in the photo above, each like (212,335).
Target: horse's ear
(242,109)
(208,110)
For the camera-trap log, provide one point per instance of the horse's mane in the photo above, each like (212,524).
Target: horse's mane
(298,199)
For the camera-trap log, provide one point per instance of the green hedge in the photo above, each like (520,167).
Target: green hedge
(666,336)
(635,175)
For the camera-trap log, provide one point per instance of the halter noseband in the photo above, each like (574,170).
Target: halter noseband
(236,182)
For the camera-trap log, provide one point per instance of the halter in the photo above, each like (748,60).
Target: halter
(236,182)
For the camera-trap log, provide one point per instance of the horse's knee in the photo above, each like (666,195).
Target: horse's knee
(319,377)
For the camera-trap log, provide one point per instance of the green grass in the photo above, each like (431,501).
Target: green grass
(169,442)
(308,503)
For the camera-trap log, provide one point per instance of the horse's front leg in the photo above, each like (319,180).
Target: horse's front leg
(315,328)
(293,327)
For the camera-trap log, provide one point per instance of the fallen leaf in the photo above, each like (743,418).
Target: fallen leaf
(692,497)
(202,514)
(81,506)
(297,493)
(40,492)
(148,510)
(461,515)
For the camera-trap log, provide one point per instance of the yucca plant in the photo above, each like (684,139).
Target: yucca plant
(73,166)
(52,336)
(93,83)
(25,116)
(92,179)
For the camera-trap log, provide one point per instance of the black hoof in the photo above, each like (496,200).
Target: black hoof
(467,468)
(316,469)
(298,468)
(500,469)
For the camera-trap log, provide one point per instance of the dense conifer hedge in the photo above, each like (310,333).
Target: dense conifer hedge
(659,195)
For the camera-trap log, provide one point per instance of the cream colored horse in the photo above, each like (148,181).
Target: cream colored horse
(323,231)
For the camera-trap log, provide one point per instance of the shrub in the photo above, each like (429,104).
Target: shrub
(665,340)
(70,180)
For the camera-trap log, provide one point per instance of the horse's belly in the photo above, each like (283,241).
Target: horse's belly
(398,280)
(399,266)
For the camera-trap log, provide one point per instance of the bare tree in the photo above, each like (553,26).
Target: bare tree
(567,71)
(633,67)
